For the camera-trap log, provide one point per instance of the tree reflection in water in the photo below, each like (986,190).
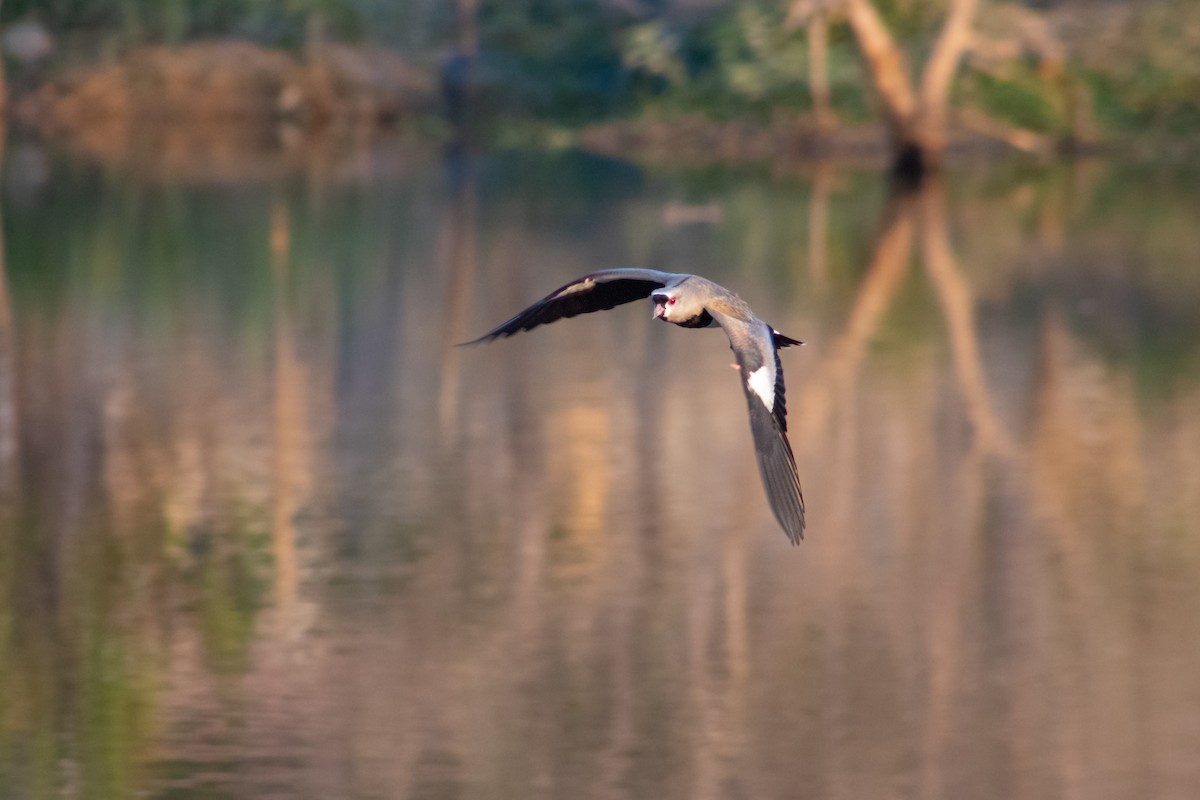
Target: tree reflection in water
(264,531)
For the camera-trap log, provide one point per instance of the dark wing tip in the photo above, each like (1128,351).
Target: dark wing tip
(487,337)
(777,466)
(490,336)
(776,461)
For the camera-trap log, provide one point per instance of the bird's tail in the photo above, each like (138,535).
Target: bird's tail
(784,341)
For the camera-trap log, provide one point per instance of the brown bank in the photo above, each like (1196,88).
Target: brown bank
(206,98)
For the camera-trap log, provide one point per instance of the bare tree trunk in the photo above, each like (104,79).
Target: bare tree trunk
(468,27)
(818,69)
(9,411)
(457,79)
(917,123)
(939,72)
(3,84)
(322,94)
(886,65)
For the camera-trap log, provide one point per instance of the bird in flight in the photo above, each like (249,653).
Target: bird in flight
(694,302)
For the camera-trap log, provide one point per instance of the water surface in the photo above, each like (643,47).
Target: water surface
(264,532)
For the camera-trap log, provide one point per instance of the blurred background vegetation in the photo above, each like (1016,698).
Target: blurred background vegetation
(1071,70)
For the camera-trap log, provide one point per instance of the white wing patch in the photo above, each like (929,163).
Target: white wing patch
(575,288)
(762,383)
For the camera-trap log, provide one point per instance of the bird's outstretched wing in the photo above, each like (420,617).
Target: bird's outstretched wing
(754,346)
(598,291)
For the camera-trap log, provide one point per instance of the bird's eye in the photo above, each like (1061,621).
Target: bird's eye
(670,301)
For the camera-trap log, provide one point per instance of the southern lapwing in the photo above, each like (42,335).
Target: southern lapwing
(694,302)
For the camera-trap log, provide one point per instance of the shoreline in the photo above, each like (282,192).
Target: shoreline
(208,100)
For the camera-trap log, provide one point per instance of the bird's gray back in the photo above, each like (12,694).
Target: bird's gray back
(716,298)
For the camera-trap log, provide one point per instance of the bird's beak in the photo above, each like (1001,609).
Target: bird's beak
(660,311)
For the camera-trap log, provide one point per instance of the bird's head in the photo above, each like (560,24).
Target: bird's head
(663,303)
(675,304)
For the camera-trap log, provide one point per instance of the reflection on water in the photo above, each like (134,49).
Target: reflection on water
(265,533)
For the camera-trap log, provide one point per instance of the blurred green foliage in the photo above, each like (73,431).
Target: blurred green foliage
(1148,75)
(552,57)
(275,22)
(1020,97)
(1125,67)
(230,565)
(737,62)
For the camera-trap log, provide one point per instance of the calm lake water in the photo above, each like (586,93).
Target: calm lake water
(264,533)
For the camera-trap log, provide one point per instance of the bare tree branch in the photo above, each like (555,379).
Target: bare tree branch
(943,62)
(886,64)
(818,68)
(916,122)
